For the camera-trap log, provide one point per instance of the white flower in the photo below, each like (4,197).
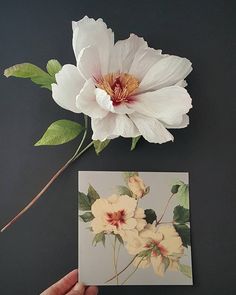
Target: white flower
(127,88)
(117,214)
(160,247)
(137,186)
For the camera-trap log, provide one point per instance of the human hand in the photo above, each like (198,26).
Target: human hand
(69,286)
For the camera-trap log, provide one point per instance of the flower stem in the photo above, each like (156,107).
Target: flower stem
(167,204)
(115,260)
(130,275)
(75,156)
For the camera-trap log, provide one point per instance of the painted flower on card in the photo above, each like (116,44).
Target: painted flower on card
(160,247)
(118,215)
(127,88)
(137,186)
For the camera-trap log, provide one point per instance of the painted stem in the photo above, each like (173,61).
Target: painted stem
(76,155)
(130,275)
(167,204)
(115,260)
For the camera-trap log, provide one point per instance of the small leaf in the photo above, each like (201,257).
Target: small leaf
(53,67)
(166,262)
(100,145)
(84,202)
(28,70)
(87,216)
(184,232)
(175,188)
(60,132)
(123,190)
(181,215)
(120,239)
(100,237)
(92,194)
(150,215)
(134,142)
(183,196)
(186,270)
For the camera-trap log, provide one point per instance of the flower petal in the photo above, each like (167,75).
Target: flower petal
(90,32)
(88,63)
(158,265)
(86,101)
(123,53)
(166,72)
(167,104)
(184,123)
(69,83)
(151,129)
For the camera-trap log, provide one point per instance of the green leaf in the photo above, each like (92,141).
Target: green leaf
(100,237)
(184,232)
(120,239)
(150,215)
(87,216)
(53,67)
(92,194)
(84,202)
(183,196)
(175,188)
(145,253)
(123,190)
(28,70)
(166,262)
(186,270)
(181,215)
(60,132)
(100,145)
(134,142)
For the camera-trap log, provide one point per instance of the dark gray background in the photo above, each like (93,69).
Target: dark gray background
(42,246)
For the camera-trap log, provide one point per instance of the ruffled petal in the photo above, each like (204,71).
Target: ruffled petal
(184,123)
(166,72)
(123,53)
(69,83)
(90,32)
(86,101)
(167,104)
(151,129)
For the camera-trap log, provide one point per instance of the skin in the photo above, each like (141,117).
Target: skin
(69,285)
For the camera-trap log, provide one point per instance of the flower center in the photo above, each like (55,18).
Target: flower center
(156,248)
(116,218)
(120,86)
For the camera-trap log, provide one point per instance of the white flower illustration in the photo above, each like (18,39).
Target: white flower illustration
(127,88)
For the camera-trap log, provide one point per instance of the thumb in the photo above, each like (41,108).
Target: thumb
(78,289)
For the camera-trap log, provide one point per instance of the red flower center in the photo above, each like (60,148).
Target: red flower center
(156,248)
(116,218)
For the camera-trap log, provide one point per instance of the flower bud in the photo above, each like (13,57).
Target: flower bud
(137,186)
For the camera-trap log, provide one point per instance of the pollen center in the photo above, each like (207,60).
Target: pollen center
(116,218)
(120,86)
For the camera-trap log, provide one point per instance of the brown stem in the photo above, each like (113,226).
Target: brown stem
(121,270)
(167,204)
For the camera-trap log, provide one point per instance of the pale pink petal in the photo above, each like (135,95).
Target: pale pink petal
(184,123)
(86,101)
(166,72)
(90,32)
(69,83)
(158,265)
(123,53)
(167,104)
(151,129)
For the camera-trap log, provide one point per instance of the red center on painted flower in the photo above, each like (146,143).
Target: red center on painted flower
(120,87)
(156,248)
(116,218)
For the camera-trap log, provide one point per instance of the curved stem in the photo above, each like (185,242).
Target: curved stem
(112,278)
(76,155)
(114,260)
(130,275)
(167,204)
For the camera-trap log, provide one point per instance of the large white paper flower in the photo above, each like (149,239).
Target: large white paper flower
(127,88)
(117,214)
(160,247)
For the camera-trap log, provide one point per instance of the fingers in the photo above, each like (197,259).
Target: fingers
(78,289)
(91,290)
(64,285)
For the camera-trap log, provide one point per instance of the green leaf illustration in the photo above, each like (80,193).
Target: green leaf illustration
(28,70)
(134,142)
(53,67)
(150,215)
(100,145)
(120,239)
(186,270)
(92,194)
(123,190)
(184,232)
(87,216)
(175,188)
(84,202)
(183,196)
(166,262)
(60,132)
(100,237)
(181,215)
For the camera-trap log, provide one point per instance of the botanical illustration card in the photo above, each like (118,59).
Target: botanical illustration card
(134,228)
